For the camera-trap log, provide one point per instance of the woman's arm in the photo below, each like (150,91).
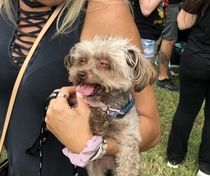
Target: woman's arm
(111,18)
(185,20)
(150,128)
(116,19)
(148,6)
(71,125)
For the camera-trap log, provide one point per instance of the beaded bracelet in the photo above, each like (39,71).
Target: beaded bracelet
(101,152)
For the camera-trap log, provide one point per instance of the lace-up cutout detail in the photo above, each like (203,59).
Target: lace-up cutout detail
(30,24)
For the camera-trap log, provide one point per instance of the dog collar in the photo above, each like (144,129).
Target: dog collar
(121,113)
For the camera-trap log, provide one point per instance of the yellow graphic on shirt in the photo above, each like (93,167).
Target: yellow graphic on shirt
(161,13)
(160,10)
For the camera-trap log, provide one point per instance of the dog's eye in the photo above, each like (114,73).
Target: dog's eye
(103,63)
(83,61)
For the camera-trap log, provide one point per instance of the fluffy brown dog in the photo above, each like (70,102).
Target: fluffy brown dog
(105,69)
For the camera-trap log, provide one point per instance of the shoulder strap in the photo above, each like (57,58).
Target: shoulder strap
(22,70)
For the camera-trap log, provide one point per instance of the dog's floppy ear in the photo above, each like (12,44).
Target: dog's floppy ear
(69,59)
(143,72)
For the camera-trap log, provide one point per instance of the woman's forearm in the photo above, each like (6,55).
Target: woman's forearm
(148,6)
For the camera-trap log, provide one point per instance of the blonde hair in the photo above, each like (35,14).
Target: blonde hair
(64,25)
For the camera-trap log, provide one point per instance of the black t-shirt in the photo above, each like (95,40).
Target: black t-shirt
(197,51)
(149,27)
(174,1)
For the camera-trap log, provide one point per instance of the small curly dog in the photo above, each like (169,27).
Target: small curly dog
(105,69)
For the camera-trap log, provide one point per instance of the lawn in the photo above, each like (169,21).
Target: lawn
(153,162)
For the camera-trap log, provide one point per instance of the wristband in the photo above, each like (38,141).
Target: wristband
(101,152)
(84,156)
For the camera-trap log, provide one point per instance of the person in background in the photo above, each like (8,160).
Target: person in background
(150,19)
(194,73)
(169,37)
(20,23)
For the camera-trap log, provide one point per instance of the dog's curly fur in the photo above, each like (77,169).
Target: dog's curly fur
(114,65)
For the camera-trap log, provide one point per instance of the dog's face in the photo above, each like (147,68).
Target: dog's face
(108,64)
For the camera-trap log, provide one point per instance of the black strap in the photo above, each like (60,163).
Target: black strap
(32,4)
(42,138)
(37,147)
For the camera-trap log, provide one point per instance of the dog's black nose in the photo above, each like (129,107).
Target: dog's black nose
(82,75)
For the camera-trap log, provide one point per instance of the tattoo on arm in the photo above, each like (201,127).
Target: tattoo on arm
(163,59)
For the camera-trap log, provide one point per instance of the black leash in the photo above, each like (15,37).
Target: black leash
(37,147)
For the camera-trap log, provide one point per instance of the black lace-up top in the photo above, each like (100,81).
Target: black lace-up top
(20,46)
(45,73)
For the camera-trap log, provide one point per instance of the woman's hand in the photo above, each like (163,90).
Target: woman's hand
(70,125)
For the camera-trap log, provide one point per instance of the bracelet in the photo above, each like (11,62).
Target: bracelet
(101,152)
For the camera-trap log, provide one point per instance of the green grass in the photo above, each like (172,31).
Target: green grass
(153,162)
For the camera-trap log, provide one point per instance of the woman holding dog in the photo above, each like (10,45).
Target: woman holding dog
(20,23)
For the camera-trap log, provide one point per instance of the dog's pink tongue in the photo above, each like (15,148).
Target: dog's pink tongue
(85,90)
